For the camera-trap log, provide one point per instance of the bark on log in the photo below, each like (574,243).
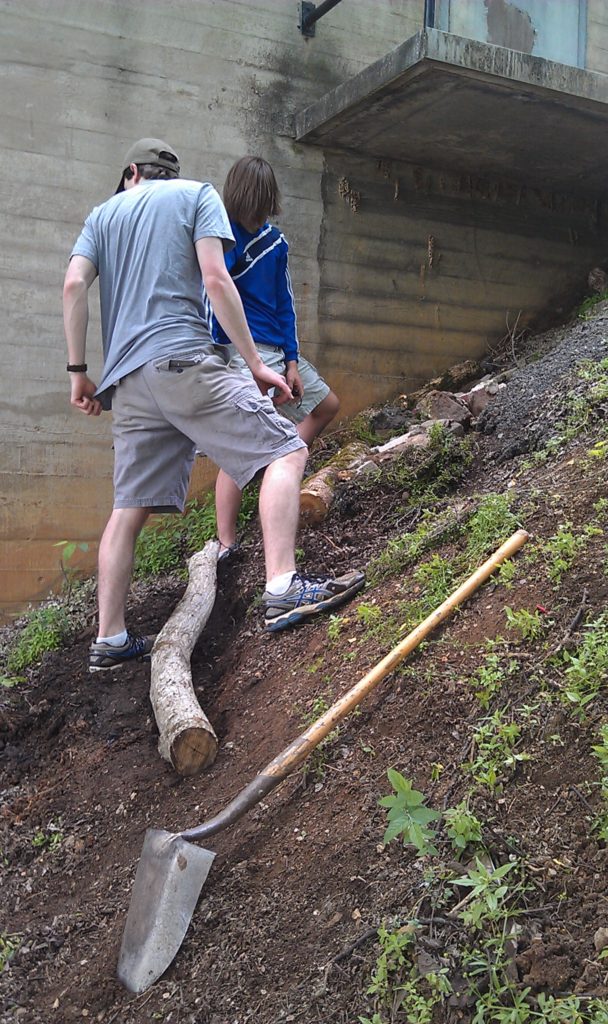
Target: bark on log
(187,738)
(317,493)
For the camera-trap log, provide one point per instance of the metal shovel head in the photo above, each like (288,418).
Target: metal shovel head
(169,878)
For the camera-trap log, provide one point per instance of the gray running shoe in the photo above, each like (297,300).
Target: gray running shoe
(104,656)
(307,596)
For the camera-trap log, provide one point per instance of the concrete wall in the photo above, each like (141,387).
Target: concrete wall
(597,36)
(379,306)
(80,80)
(426,268)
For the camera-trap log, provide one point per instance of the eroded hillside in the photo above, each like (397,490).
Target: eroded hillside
(493,908)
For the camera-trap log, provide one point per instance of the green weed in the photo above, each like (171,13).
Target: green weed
(408,818)
(317,761)
(529,625)
(586,667)
(463,828)
(47,629)
(585,310)
(49,839)
(561,549)
(335,625)
(495,741)
(9,944)
(489,678)
(490,525)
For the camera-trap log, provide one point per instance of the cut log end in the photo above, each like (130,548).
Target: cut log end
(193,750)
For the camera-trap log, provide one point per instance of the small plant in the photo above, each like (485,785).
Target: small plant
(587,667)
(561,550)
(69,549)
(488,678)
(335,625)
(463,828)
(507,573)
(495,741)
(369,614)
(396,980)
(488,893)
(47,629)
(7,682)
(408,818)
(49,839)
(491,524)
(529,625)
(317,761)
(585,310)
(9,944)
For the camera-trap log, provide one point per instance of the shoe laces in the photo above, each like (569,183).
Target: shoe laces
(136,642)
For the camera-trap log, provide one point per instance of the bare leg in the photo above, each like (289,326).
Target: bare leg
(227,505)
(116,550)
(316,421)
(280,511)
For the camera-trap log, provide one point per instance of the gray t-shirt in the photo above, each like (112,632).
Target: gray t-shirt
(142,243)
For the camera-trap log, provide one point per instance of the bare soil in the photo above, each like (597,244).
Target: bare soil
(285,928)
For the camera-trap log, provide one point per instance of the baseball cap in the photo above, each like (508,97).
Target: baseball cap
(149,151)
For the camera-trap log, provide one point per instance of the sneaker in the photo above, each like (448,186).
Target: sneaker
(226,553)
(103,656)
(307,596)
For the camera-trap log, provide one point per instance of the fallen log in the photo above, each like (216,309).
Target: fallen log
(317,493)
(187,739)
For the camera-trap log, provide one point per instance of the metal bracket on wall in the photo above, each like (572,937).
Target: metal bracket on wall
(309,14)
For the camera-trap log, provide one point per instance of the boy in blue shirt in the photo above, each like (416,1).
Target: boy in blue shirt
(259,268)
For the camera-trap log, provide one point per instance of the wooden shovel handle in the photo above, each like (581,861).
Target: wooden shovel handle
(297,752)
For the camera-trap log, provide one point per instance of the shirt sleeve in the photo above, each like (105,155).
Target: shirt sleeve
(286,309)
(86,244)
(211,219)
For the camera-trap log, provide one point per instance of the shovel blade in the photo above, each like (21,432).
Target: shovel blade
(168,882)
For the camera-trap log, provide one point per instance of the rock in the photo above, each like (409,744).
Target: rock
(480,396)
(441,405)
(415,438)
(600,939)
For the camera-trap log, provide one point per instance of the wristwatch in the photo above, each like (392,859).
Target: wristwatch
(77,367)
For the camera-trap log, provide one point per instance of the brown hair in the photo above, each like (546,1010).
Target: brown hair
(251,193)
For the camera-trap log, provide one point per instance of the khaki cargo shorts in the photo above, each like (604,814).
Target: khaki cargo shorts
(167,410)
(315,388)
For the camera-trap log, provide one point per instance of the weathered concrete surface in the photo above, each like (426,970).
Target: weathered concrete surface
(444,101)
(80,80)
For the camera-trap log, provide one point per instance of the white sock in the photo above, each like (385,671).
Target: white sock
(119,640)
(279,584)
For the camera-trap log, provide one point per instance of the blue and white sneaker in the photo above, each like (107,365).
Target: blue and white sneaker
(104,656)
(307,596)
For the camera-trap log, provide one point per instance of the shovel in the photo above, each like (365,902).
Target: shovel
(172,870)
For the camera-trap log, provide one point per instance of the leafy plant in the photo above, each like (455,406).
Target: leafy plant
(335,625)
(489,677)
(586,667)
(488,892)
(463,828)
(491,524)
(317,761)
(49,839)
(369,614)
(561,550)
(47,628)
(495,741)
(529,625)
(408,818)
(9,944)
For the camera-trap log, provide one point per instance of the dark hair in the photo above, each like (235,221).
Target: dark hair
(150,172)
(251,193)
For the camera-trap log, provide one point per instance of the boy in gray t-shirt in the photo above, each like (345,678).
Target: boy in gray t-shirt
(171,393)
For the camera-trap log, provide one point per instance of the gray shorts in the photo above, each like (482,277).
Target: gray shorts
(169,409)
(315,388)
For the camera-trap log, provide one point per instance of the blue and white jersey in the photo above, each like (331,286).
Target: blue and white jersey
(259,268)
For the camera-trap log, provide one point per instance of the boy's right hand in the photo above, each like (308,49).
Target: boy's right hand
(266,378)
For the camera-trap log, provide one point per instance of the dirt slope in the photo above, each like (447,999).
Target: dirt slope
(285,929)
